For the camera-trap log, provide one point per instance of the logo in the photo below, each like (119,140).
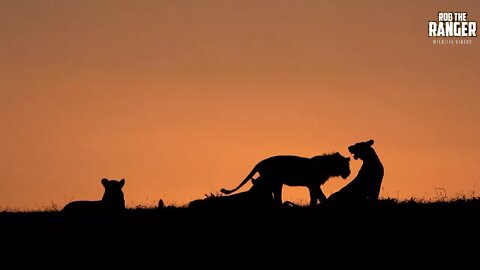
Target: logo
(451,25)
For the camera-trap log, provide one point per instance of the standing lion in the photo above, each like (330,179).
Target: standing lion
(297,171)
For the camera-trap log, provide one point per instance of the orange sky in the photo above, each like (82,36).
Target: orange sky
(182,98)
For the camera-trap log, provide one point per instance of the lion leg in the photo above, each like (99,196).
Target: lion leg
(321,196)
(277,194)
(313,196)
(316,194)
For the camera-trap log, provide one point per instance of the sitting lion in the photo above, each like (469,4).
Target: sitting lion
(366,186)
(112,200)
(258,197)
(297,171)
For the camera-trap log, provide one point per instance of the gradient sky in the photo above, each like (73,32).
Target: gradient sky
(182,98)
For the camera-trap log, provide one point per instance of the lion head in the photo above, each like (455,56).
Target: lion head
(361,150)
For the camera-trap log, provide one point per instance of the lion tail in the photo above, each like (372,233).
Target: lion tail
(248,178)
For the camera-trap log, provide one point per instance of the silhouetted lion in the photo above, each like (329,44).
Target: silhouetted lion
(366,186)
(297,171)
(112,200)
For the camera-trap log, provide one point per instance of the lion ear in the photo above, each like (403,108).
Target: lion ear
(122,182)
(370,143)
(104,181)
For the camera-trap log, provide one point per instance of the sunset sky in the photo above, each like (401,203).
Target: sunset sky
(183,98)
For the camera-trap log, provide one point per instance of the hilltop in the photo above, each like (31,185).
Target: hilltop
(388,234)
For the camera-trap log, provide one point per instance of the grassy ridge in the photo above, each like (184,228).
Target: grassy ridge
(219,235)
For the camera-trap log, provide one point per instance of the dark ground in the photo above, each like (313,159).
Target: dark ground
(387,235)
